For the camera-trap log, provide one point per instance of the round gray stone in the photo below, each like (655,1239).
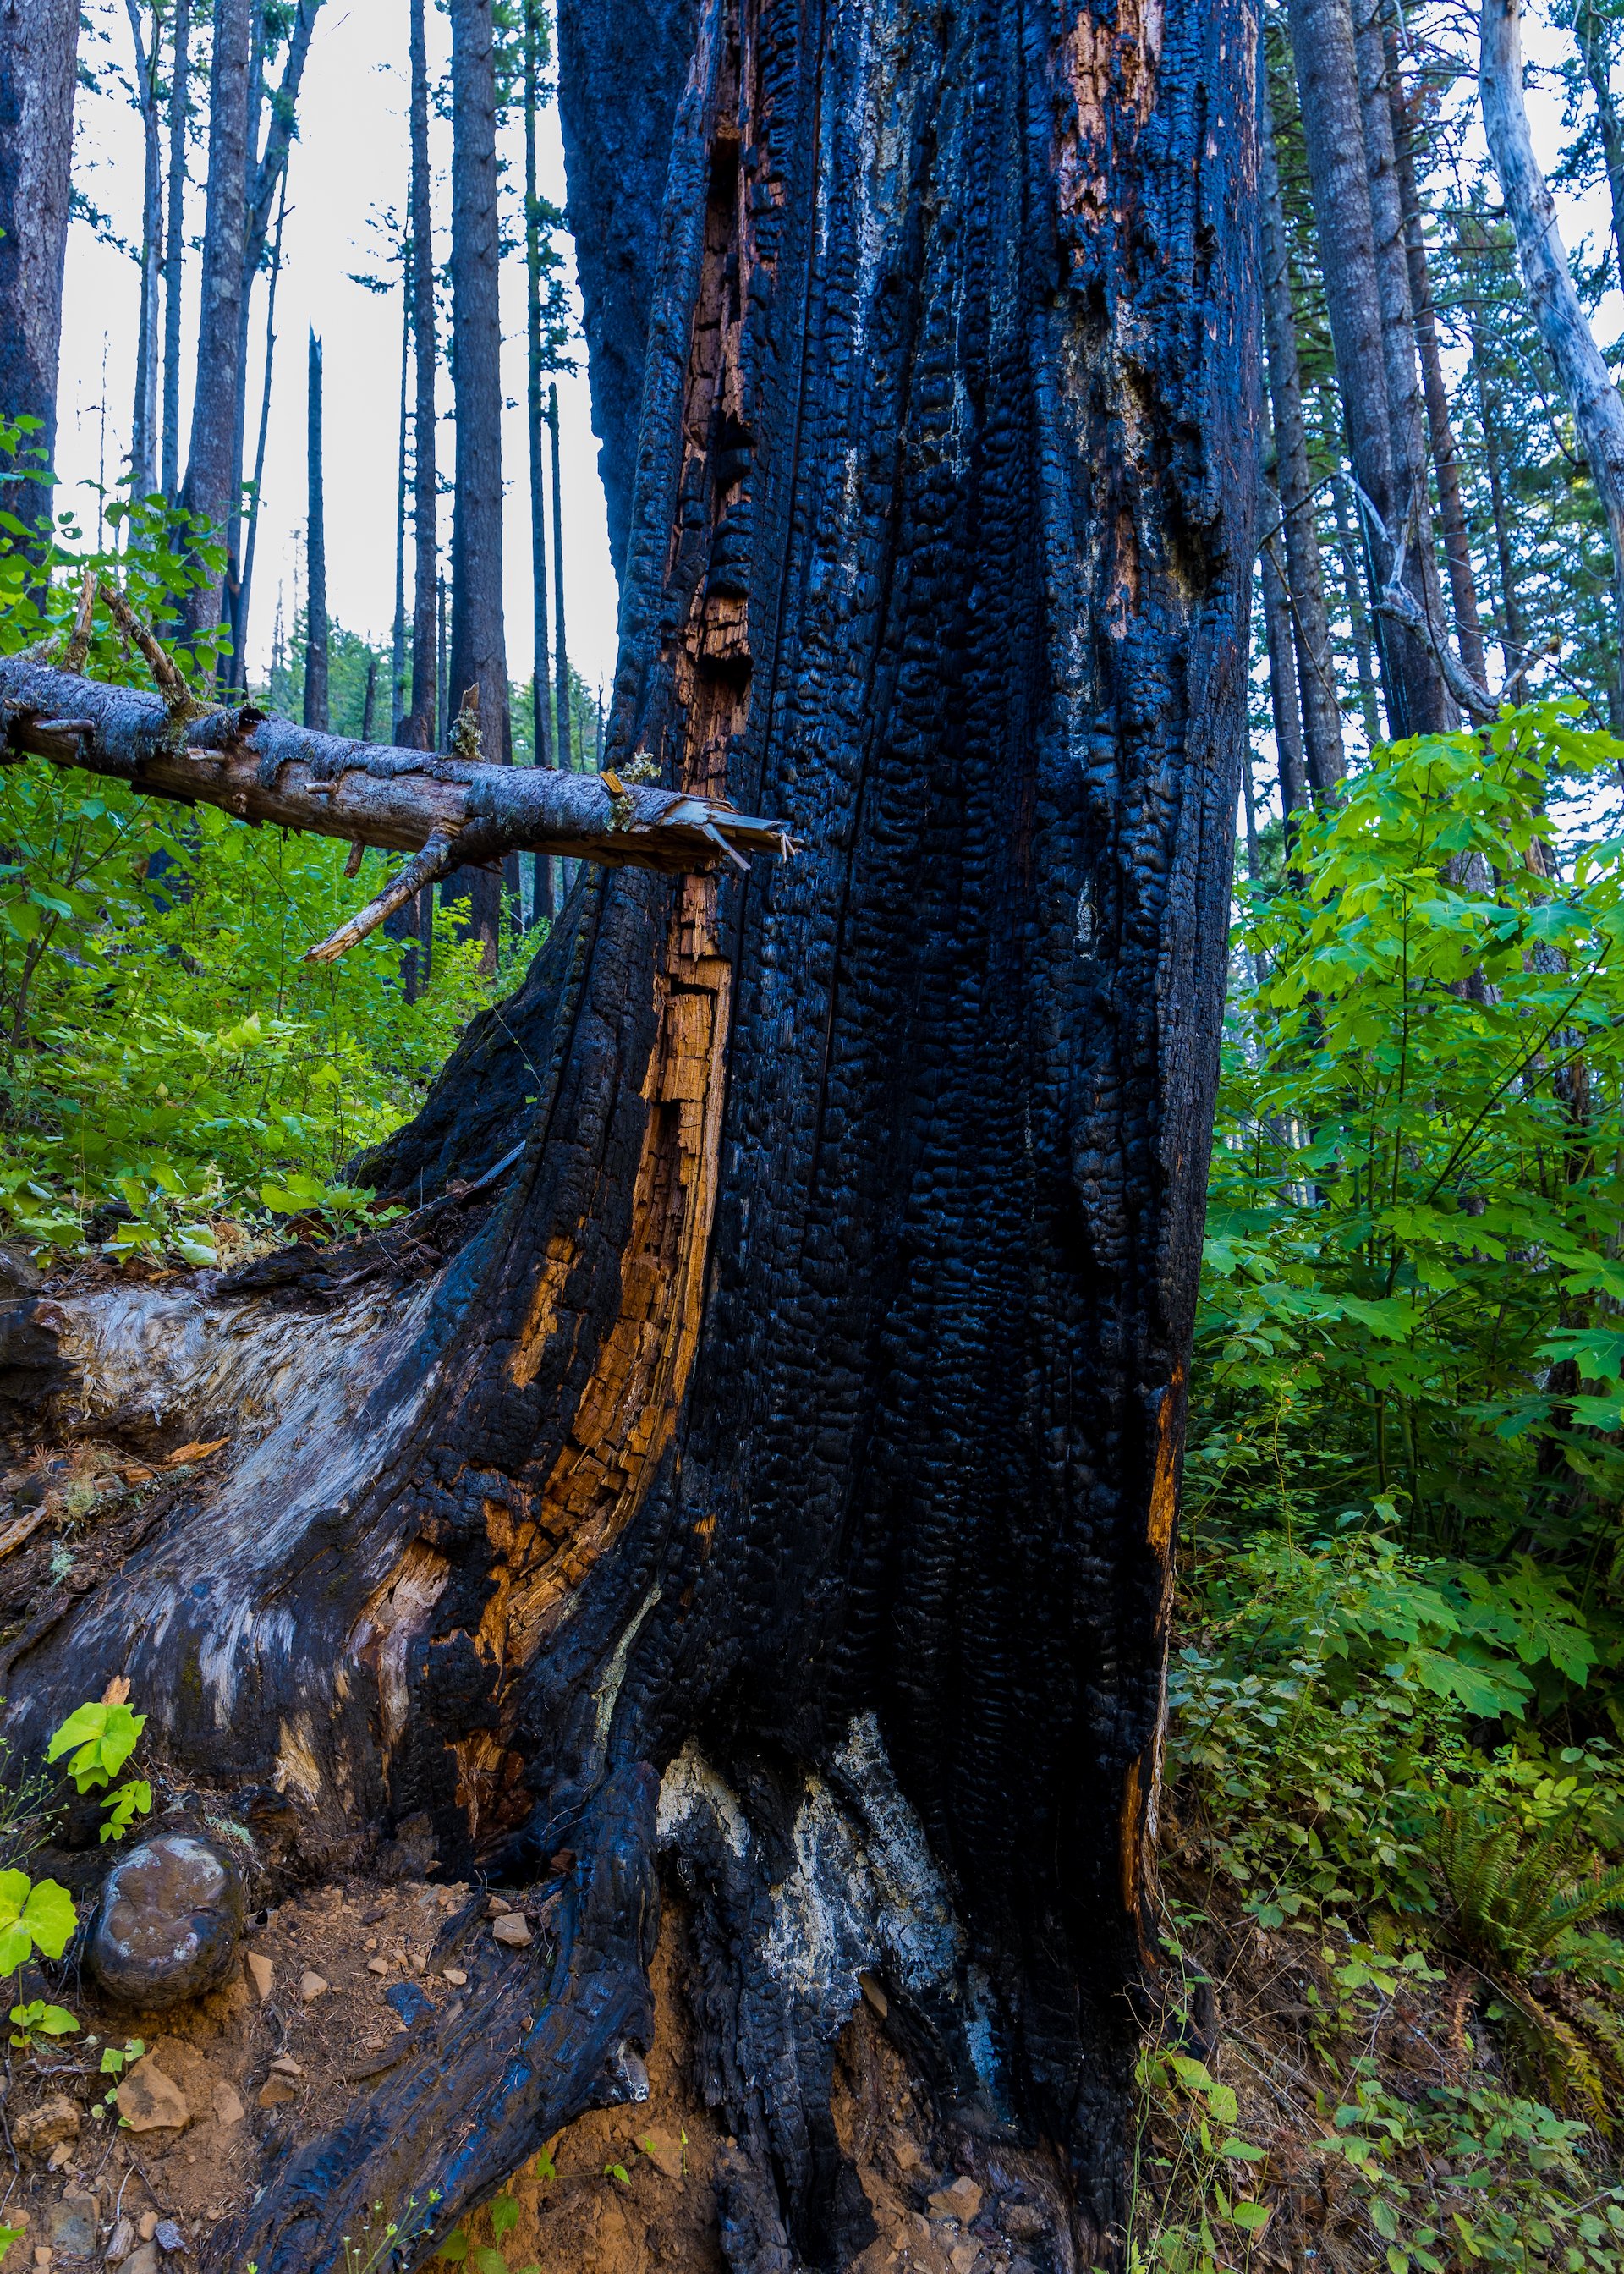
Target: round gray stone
(169,1923)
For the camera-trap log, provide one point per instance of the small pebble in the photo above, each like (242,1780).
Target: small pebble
(513,1929)
(169,2236)
(455,1976)
(261,1973)
(312,1986)
(377,1965)
(149,2225)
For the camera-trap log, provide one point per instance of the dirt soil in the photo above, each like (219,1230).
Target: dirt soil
(326,1984)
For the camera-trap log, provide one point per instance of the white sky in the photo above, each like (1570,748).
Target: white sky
(348,164)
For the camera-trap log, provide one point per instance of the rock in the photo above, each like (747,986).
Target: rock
(964,2257)
(145,2261)
(61,2158)
(276,2091)
(169,2236)
(261,1973)
(168,1924)
(47,2126)
(961,2202)
(149,2225)
(664,2152)
(71,2226)
(225,2106)
(149,2101)
(377,1965)
(284,2065)
(43,2254)
(513,1929)
(312,1986)
(121,2242)
(497,1906)
(455,1976)
(1024,2221)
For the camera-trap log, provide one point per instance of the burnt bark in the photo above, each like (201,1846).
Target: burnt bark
(39,50)
(478,636)
(778,1392)
(211,461)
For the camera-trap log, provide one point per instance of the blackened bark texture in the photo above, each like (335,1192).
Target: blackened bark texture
(1440,429)
(798,1415)
(478,637)
(212,457)
(38,51)
(316,657)
(1328,75)
(422,719)
(1311,626)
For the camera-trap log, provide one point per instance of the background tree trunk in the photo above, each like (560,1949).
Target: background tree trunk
(38,51)
(478,637)
(1315,671)
(144,414)
(563,740)
(211,459)
(780,1405)
(174,244)
(316,657)
(1568,340)
(541,670)
(422,720)
(1333,129)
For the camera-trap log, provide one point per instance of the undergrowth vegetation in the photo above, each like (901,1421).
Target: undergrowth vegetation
(1392,2021)
(173,1076)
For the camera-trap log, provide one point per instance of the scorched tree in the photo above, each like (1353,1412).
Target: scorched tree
(762,1438)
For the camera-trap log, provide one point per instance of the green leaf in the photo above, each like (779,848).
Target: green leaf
(105,1736)
(33,1917)
(1251,2217)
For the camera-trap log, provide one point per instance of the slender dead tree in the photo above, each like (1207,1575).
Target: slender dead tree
(1563,326)
(257,489)
(564,741)
(422,724)
(174,242)
(478,635)
(1284,700)
(1440,428)
(1304,584)
(1358,617)
(541,673)
(212,457)
(1590,27)
(39,50)
(757,1457)
(144,415)
(316,656)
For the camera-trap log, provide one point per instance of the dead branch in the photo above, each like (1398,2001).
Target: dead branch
(265,769)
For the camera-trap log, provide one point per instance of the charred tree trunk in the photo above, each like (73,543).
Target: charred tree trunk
(764,1445)
(478,636)
(563,740)
(211,460)
(316,659)
(38,51)
(175,242)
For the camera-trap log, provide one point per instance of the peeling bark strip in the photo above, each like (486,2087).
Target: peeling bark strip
(799,1409)
(268,770)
